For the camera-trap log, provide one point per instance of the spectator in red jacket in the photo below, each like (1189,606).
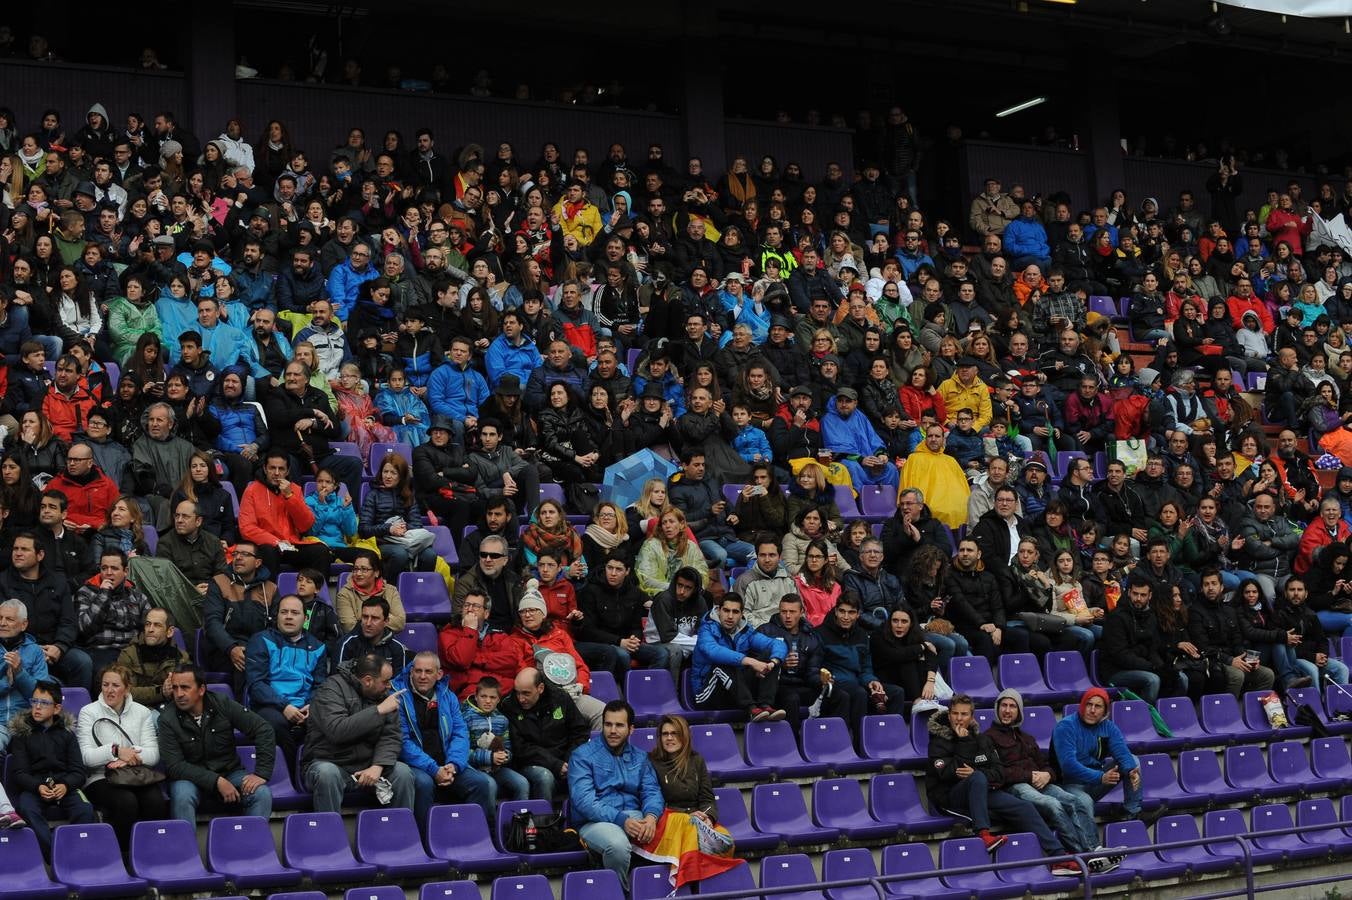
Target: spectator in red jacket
(67,404)
(474,648)
(273,516)
(1243,300)
(1285,224)
(88,491)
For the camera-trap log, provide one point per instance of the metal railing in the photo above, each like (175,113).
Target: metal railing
(1085,879)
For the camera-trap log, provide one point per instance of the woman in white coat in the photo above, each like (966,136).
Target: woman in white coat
(117,733)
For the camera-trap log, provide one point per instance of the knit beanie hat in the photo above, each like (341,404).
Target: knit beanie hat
(1095,692)
(531,598)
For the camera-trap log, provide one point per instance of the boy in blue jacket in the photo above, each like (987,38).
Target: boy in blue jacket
(736,667)
(490,741)
(750,441)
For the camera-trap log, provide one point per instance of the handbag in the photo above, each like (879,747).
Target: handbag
(107,732)
(1043,623)
(1131,453)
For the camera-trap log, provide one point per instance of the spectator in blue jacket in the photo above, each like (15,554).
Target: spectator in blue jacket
(558,365)
(854,690)
(1026,239)
(490,739)
(849,435)
(283,666)
(750,441)
(911,254)
(736,667)
(457,391)
(512,352)
(345,281)
(1093,756)
(253,283)
(243,436)
(436,741)
(23,666)
(614,796)
(226,343)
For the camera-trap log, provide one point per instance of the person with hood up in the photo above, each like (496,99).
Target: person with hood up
(854,443)
(674,618)
(1093,756)
(435,741)
(736,667)
(1026,773)
(939,478)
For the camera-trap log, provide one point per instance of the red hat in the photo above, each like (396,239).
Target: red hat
(1095,692)
(858,287)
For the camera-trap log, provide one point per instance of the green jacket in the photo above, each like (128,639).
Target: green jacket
(127,322)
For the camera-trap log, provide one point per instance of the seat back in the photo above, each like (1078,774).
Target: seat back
(1271,817)
(1329,758)
(1066,672)
(383,833)
(521,887)
(1179,714)
(653,883)
(738,878)
(789,869)
(771,744)
(1245,766)
(878,501)
(972,675)
(74,699)
(456,829)
(1157,775)
(1219,822)
(165,848)
(21,861)
(596,884)
(1199,772)
(827,739)
(731,809)
(240,843)
(1132,717)
(894,797)
(87,853)
(837,800)
(849,507)
(1289,763)
(718,745)
(419,636)
(651,693)
(316,840)
(380,449)
(1039,722)
(645,739)
(449,890)
(1220,715)
(424,595)
(380,892)
(603,686)
(902,859)
(886,737)
(778,807)
(1021,672)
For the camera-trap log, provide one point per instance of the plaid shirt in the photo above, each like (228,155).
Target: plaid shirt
(109,619)
(1065,305)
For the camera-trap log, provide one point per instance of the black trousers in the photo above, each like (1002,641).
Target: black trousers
(305,556)
(738,687)
(123,807)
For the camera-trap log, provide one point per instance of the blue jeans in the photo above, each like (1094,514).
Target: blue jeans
(948,646)
(718,554)
(75,668)
(1143,684)
(1230,579)
(1072,815)
(470,786)
(972,796)
(328,783)
(1336,670)
(185,798)
(541,781)
(1281,659)
(609,841)
(1078,637)
(1131,796)
(1335,623)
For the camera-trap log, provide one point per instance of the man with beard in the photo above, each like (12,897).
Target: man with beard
(267,351)
(243,434)
(152,658)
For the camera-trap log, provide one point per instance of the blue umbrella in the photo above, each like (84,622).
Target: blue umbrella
(624,480)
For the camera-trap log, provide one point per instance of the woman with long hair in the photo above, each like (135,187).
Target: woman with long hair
(17,492)
(928,599)
(389,514)
(147,362)
(124,532)
(688,794)
(920,399)
(670,548)
(600,418)
(202,485)
(808,525)
(644,513)
(565,439)
(1186,668)
(35,441)
(761,505)
(810,488)
(1083,626)
(608,533)
(905,655)
(548,531)
(817,582)
(78,317)
(361,419)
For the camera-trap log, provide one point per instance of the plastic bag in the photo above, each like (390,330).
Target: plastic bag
(1273,709)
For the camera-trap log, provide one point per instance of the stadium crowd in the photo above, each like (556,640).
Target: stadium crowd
(194,330)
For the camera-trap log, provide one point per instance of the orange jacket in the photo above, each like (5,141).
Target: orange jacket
(67,414)
(89,502)
(268,518)
(556,639)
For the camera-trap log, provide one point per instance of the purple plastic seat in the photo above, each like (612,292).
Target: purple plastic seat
(894,799)
(299,895)
(772,744)
(789,869)
(1296,697)
(425,596)
(1290,766)
(1199,772)
(732,816)
(1322,812)
(443,545)
(550,490)
(1159,784)
(888,740)
(1017,867)
(1180,715)
(25,875)
(449,890)
(419,636)
(904,859)
(1066,673)
(645,739)
(87,859)
(347,448)
(1221,717)
(1039,722)
(920,736)
(1063,461)
(1146,863)
(652,694)
(521,887)
(779,808)
(388,838)
(381,892)
(842,865)
(1338,701)
(165,854)
(1104,306)
(878,501)
(73,700)
(1330,760)
(653,883)
(839,803)
(960,852)
(285,794)
(458,833)
(1258,720)
(1021,672)
(718,745)
(1291,846)
(316,843)
(1197,857)
(378,451)
(1132,717)
(849,507)
(828,741)
(1246,768)
(241,849)
(738,878)
(507,809)
(971,675)
(603,686)
(1222,822)
(595,884)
